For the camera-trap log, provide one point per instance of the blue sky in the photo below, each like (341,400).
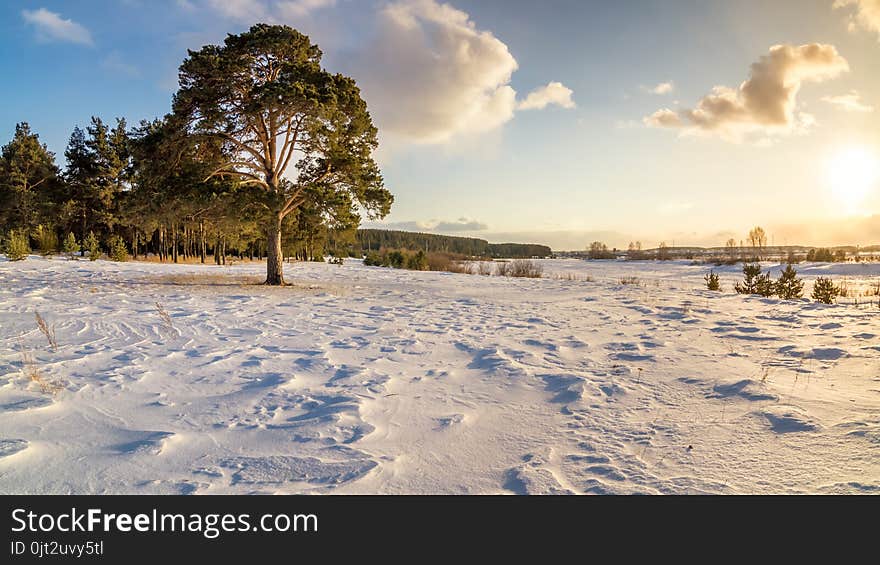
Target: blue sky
(559,122)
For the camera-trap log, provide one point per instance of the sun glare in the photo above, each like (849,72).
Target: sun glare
(853,172)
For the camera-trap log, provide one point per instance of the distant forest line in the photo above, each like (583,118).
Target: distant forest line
(376,239)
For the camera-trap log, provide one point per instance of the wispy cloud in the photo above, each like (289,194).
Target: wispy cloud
(766,102)
(662,88)
(851,102)
(250,11)
(674,208)
(115,63)
(442,226)
(300,8)
(50,26)
(240,10)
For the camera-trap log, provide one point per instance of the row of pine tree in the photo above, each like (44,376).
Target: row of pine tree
(132,191)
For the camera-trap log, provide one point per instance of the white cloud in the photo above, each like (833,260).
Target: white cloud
(428,73)
(51,26)
(432,75)
(663,88)
(664,118)
(851,102)
(867,14)
(554,93)
(766,102)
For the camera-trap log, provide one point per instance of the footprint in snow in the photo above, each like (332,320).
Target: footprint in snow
(446,422)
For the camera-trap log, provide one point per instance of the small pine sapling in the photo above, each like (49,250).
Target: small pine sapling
(713,281)
(789,286)
(824,290)
(749,284)
(70,246)
(92,246)
(764,285)
(118,251)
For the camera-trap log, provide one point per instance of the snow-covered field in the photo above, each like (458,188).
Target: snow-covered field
(372,380)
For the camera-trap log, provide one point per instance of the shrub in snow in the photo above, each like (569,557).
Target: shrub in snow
(417,261)
(16,246)
(47,240)
(789,286)
(373,259)
(523,268)
(824,290)
(713,281)
(396,259)
(92,246)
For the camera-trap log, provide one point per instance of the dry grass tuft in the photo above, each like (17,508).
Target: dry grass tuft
(461,267)
(49,332)
(573,277)
(520,268)
(32,372)
(485,268)
(166,318)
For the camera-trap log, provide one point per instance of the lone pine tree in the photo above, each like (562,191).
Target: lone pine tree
(264,95)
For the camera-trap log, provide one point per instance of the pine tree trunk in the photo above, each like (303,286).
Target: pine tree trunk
(162,243)
(174,241)
(274,254)
(82,236)
(203,245)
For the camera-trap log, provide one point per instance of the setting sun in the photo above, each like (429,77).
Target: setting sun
(852,173)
